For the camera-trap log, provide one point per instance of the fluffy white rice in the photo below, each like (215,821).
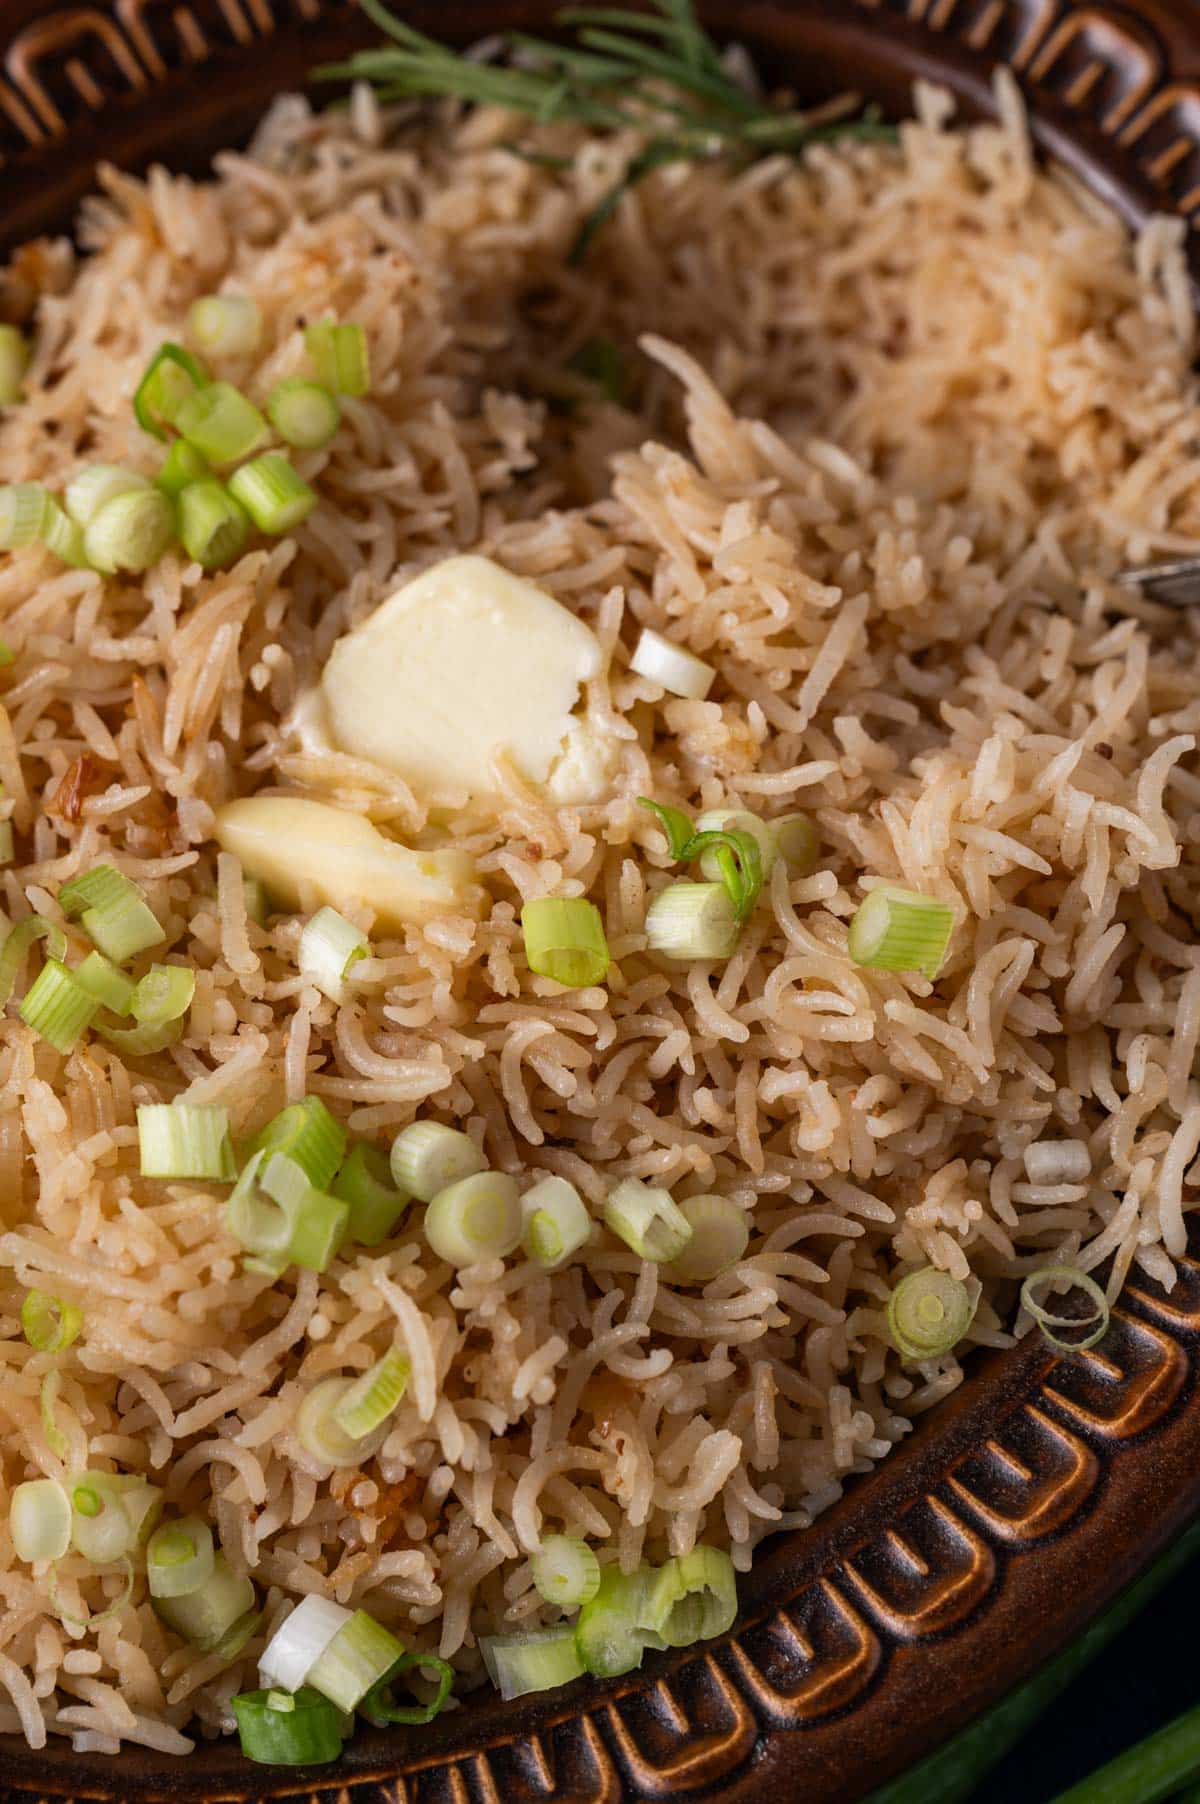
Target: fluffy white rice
(899,416)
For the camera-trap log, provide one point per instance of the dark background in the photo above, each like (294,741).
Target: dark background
(1149,1674)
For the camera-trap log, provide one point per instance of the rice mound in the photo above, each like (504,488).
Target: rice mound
(899,417)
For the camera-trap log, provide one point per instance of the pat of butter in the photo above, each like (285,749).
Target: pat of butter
(342,859)
(465,662)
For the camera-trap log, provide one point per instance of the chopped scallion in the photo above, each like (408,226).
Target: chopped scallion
(608,1635)
(130,533)
(330,946)
(48,1391)
(307,1730)
(319,1434)
(173,377)
(14,361)
(177,1140)
(361,1654)
(303,413)
(692,921)
(22,513)
(1055,1276)
(63,536)
(374,1396)
(692,1598)
(109,1513)
(364,1181)
(671,666)
(566,1571)
(164,994)
(182,466)
(896,929)
(340,356)
(49,1323)
(477,1218)
(225,325)
(179,1557)
(95,485)
(564,940)
(275,496)
(220,423)
(39,1520)
(556,1222)
(647,1220)
(317,1221)
(113,912)
(15,948)
(720,1235)
(928,1313)
(206,1616)
(798,842)
(300,1640)
(379,1705)
(427,1157)
(57,1007)
(213,524)
(101,979)
(518,1664)
(307,1134)
(140,1042)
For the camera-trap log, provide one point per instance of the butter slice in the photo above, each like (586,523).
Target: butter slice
(342,859)
(464,662)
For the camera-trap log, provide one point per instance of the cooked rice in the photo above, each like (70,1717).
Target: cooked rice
(902,416)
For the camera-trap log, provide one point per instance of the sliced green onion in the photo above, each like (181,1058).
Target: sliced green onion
(306,1731)
(374,1396)
(1047,1321)
(340,356)
(140,1042)
(48,1391)
(566,1571)
(518,1664)
(182,466)
(109,1513)
(608,1636)
(225,325)
(57,1007)
(647,1220)
(164,994)
(361,1654)
(798,842)
(22,514)
(274,495)
(477,1218)
(564,940)
(101,979)
(556,1222)
(80,1624)
(205,1616)
(379,1705)
(15,354)
(330,946)
(260,1225)
(671,666)
(734,852)
(303,413)
(692,920)
(318,1431)
(220,423)
(113,912)
(95,485)
(49,1324)
(735,820)
(63,536)
(173,377)
(39,1520)
(898,930)
(428,1157)
(176,1140)
(258,903)
(179,1557)
(300,1640)
(692,1598)
(130,533)
(364,1182)
(16,946)
(213,524)
(307,1134)
(236,1635)
(928,1313)
(720,1235)
(317,1221)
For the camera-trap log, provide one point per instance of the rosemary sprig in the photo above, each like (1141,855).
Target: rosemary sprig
(656,72)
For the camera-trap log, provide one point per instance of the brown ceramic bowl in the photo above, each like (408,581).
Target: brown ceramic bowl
(1041,1487)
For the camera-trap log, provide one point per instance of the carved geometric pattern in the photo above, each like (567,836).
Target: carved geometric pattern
(1035,1492)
